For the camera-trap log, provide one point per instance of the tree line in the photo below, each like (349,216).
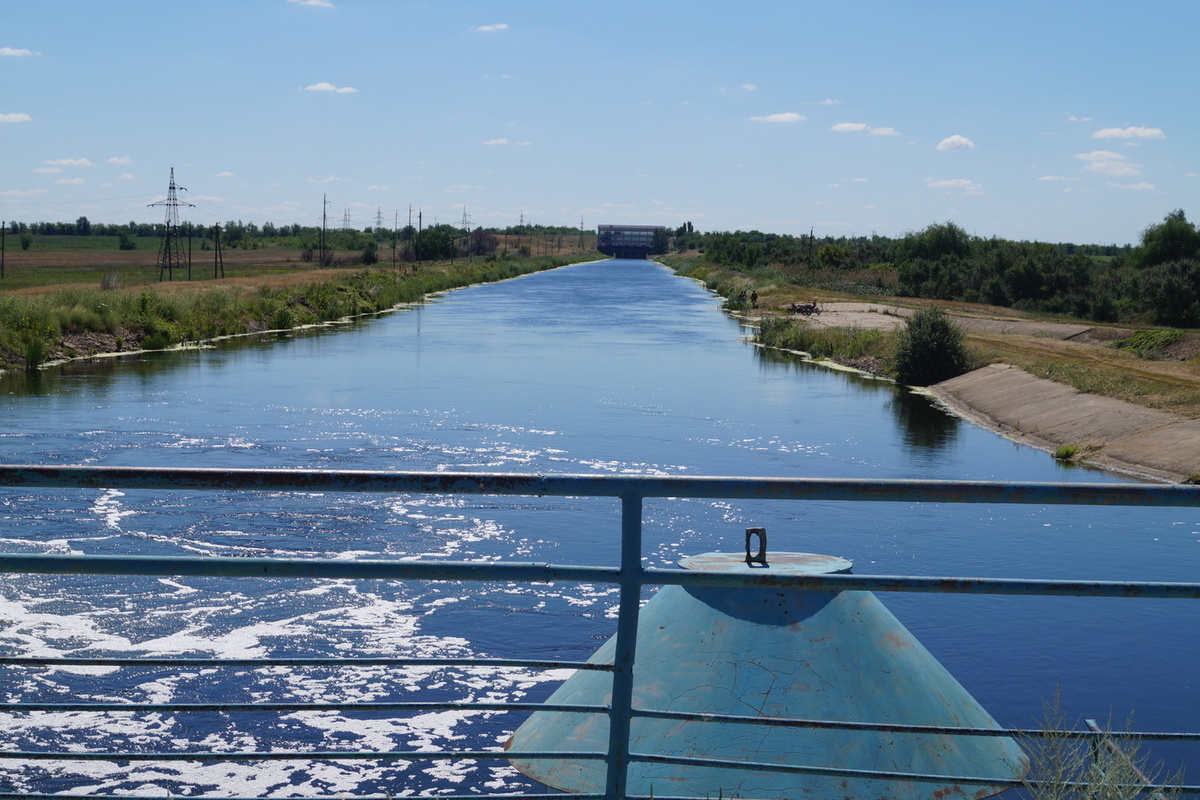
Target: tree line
(1155,282)
(436,242)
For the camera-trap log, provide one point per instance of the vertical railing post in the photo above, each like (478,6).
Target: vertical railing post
(621,706)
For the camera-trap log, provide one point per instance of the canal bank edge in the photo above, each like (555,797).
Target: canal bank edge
(1110,434)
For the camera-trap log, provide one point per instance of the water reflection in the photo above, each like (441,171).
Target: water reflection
(924,427)
(923,424)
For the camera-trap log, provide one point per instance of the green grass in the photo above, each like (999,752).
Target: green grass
(1149,343)
(837,343)
(50,326)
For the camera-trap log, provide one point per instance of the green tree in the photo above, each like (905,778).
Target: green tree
(83,227)
(1173,239)
(930,349)
(936,241)
(26,241)
(833,255)
(370,253)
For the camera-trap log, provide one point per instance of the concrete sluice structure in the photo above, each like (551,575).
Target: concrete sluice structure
(762,653)
(627,241)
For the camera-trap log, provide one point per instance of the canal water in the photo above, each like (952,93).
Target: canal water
(616,367)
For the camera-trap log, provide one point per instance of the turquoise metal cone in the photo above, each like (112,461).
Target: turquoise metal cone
(763,652)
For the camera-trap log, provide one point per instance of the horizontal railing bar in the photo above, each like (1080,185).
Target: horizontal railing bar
(205,663)
(382,796)
(213,708)
(919,583)
(790,722)
(799,722)
(197,566)
(291,755)
(920,777)
(333,568)
(288,480)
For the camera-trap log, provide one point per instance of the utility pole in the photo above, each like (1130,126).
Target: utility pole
(218,256)
(378,218)
(395,225)
(170,254)
(3,231)
(324,222)
(346,220)
(466,228)
(420,215)
(581,231)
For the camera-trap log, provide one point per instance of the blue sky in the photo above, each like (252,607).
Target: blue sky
(1054,121)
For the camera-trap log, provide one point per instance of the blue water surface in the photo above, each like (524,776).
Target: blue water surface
(615,367)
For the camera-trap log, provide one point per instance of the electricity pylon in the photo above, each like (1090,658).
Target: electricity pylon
(170,254)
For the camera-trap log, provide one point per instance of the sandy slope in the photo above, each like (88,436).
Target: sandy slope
(1115,435)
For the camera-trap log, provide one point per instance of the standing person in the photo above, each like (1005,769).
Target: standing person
(754,298)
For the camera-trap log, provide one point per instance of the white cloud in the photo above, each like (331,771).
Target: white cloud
(748,87)
(968,186)
(47,170)
(1099,155)
(379,188)
(71,181)
(499,26)
(324,179)
(956,142)
(326,86)
(226,174)
(858,180)
(503,142)
(16,52)
(70,162)
(1073,118)
(15,118)
(786,116)
(120,160)
(1056,178)
(313,3)
(859,127)
(831,102)
(1137,187)
(1106,162)
(126,176)
(1132,132)
(22,193)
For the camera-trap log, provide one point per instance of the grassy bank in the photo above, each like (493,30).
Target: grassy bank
(79,320)
(869,350)
(1133,367)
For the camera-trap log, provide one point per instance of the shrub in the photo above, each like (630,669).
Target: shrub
(1066,452)
(35,353)
(930,349)
(1111,766)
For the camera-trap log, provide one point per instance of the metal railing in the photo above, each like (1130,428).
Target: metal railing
(630,576)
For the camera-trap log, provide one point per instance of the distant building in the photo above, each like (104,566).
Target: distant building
(629,241)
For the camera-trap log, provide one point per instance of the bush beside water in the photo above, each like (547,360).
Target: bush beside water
(930,349)
(34,328)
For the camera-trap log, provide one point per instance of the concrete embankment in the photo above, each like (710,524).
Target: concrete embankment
(1113,434)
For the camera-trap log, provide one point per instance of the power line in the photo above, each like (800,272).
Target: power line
(170,254)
